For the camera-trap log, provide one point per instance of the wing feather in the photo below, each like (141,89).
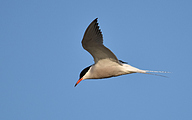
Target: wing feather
(93,43)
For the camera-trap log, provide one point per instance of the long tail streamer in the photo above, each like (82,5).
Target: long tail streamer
(156,72)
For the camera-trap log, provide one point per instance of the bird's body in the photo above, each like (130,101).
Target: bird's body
(106,68)
(106,63)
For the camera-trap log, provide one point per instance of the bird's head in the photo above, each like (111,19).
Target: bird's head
(82,74)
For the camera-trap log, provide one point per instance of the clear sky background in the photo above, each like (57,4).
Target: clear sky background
(41,57)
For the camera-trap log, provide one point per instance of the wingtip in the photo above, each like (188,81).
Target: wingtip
(95,19)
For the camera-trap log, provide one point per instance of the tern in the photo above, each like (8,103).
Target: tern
(106,63)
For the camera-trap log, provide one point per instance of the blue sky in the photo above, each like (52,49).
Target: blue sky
(42,56)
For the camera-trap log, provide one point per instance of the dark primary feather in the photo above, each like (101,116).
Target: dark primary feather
(93,43)
(92,32)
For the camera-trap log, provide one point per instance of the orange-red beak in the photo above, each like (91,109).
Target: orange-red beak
(78,81)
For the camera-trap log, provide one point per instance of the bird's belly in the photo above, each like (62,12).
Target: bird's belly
(106,68)
(106,72)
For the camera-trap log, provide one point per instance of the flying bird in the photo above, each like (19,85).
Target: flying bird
(106,63)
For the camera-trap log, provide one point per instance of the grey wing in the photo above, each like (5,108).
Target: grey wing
(93,43)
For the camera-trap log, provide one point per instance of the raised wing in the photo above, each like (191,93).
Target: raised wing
(93,43)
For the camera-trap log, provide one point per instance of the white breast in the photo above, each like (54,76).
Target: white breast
(105,68)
